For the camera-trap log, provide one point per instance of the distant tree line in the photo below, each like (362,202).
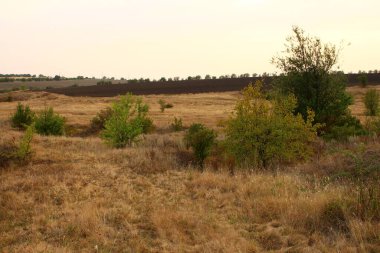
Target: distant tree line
(108,80)
(28,78)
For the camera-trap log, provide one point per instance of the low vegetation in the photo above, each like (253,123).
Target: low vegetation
(371,102)
(264,133)
(98,122)
(127,121)
(19,153)
(23,117)
(164,105)
(47,122)
(200,139)
(177,124)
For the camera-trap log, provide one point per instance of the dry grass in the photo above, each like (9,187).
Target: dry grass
(78,195)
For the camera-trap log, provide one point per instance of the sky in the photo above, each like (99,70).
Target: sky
(168,38)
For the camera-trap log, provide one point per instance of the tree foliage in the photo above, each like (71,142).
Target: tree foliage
(307,66)
(263,132)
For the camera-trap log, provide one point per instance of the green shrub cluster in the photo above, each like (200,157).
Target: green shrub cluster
(23,117)
(371,101)
(49,123)
(127,121)
(200,139)
(46,122)
(263,132)
(344,128)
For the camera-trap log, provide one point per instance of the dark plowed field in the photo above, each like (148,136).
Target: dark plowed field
(179,87)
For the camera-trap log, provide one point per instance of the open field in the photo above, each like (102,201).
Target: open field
(79,195)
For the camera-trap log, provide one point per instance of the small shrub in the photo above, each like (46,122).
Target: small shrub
(9,98)
(177,124)
(8,150)
(373,125)
(201,140)
(11,152)
(263,132)
(49,123)
(371,101)
(128,120)
(24,149)
(345,127)
(164,105)
(368,200)
(98,122)
(23,117)
(333,217)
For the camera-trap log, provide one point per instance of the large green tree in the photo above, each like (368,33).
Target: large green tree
(308,72)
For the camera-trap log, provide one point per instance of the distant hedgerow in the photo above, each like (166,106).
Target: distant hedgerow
(49,123)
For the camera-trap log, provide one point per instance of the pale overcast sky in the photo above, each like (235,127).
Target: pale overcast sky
(155,38)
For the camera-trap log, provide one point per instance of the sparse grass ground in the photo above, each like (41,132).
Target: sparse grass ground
(78,195)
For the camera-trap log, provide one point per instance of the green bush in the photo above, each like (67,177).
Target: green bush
(128,120)
(49,123)
(200,139)
(23,116)
(264,132)
(347,126)
(24,149)
(177,124)
(371,101)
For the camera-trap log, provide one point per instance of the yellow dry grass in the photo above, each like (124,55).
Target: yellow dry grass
(79,195)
